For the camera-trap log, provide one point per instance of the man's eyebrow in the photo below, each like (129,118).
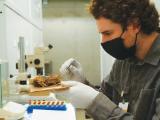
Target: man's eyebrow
(106,31)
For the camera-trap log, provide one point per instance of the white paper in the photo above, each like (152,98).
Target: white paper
(13,111)
(69,114)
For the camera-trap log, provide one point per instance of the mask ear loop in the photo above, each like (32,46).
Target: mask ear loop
(136,39)
(122,32)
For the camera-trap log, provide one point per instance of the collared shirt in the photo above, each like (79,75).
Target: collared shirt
(140,81)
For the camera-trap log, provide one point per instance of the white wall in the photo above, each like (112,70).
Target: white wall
(73,33)
(31,10)
(2,33)
(106,63)
(157,4)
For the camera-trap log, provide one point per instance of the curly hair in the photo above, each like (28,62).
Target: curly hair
(127,11)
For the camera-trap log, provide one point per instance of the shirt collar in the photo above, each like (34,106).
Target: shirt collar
(153,55)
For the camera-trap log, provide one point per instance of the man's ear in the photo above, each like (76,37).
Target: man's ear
(133,26)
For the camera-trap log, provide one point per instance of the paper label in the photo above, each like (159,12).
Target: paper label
(124,106)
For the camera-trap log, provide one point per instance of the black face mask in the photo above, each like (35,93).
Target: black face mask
(117,49)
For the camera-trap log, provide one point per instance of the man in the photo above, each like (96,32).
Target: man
(132,90)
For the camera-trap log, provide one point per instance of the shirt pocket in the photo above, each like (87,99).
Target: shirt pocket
(144,103)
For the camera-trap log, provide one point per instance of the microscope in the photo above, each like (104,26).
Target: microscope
(37,60)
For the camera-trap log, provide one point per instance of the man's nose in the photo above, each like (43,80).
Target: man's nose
(104,38)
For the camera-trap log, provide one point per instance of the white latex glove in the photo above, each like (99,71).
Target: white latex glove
(79,94)
(72,70)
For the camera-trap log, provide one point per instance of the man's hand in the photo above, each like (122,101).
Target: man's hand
(79,94)
(72,70)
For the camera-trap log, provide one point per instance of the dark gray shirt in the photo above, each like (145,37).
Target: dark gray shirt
(140,81)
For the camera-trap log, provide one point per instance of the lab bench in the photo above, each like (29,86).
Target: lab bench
(74,114)
(22,99)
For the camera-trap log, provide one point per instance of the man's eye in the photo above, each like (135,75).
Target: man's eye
(107,34)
